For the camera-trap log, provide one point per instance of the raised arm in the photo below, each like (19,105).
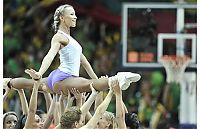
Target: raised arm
(61,101)
(70,101)
(78,97)
(166,95)
(5,95)
(24,103)
(99,111)
(69,104)
(120,107)
(86,106)
(88,115)
(57,113)
(32,103)
(48,99)
(55,46)
(87,67)
(99,98)
(49,119)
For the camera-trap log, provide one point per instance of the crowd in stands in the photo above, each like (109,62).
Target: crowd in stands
(27,30)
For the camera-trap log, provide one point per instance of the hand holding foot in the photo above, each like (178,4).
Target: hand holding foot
(115,87)
(35,75)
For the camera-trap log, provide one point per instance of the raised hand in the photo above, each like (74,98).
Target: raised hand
(69,99)
(85,95)
(115,87)
(62,96)
(76,93)
(104,76)
(7,90)
(44,88)
(92,89)
(35,75)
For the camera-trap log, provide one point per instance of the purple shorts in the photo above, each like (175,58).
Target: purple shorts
(56,76)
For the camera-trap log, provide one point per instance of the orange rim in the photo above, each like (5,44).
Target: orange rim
(174,57)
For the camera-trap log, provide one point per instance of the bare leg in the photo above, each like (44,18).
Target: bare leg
(24,83)
(81,84)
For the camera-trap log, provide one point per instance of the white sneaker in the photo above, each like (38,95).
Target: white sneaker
(5,82)
(126,78)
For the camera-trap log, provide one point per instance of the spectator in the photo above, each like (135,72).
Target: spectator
(10,120)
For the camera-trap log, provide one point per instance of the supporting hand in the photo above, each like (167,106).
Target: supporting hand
(92,89)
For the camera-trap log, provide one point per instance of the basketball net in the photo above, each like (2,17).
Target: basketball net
(175,67)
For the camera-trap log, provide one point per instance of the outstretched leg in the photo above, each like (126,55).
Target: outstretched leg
(83,85)
(79,83)
(24,83)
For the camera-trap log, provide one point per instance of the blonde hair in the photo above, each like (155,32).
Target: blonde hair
(109,116)
(59,12)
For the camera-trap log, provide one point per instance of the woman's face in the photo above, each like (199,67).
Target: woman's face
(38,124)
(69,17)
(10,122)
(103,123)
(43,117)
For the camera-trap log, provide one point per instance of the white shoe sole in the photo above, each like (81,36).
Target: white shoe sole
(126,78)
(5,82)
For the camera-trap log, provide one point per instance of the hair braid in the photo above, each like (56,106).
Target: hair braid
(56,21)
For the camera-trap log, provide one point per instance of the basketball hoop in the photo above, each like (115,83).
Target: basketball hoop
(175,67)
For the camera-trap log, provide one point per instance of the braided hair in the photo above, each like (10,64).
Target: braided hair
(59,12)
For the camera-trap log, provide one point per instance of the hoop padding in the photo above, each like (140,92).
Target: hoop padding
(175,67)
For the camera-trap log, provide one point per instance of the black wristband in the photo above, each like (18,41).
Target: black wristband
(9,85)
(36,79)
